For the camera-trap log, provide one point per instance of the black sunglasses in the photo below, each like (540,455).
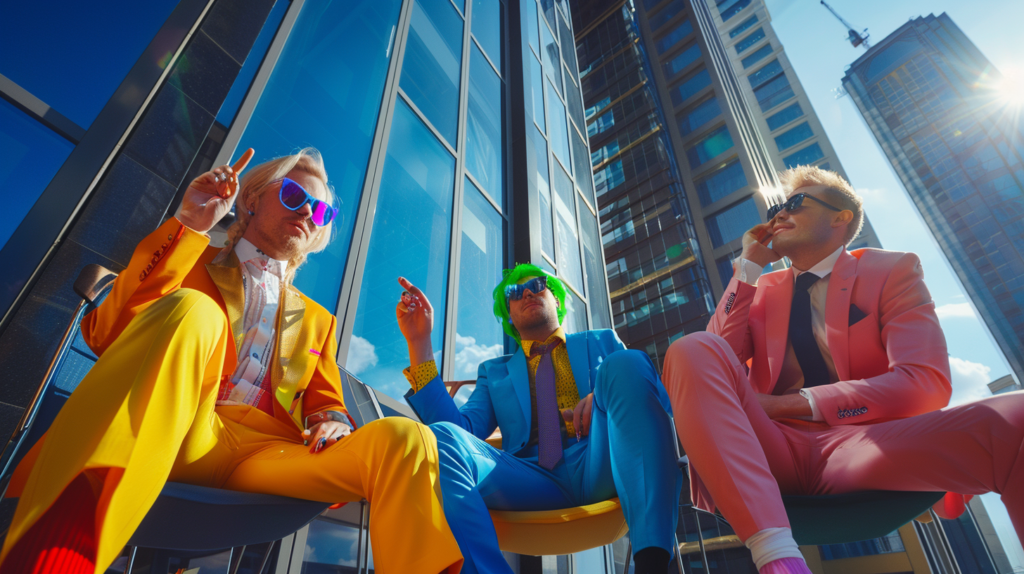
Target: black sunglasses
(792,204)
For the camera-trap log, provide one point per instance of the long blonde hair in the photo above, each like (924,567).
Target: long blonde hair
(256,181)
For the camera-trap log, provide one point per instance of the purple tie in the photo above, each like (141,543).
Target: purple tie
(549,426)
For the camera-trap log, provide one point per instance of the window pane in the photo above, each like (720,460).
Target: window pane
(773,93)
(695,83)
(734,9)
(531,25)
(597,107)
(484,135)
(809,154)
(793,136)
(568,239)
(725,270)
(74,55)
(575,320)
(547,234)
(601,124)
(574,101)
(733,222)
(666,14)
(597,289)
(537,92)
(32,154)
(488,29)
(569,53)
(314,97)
(699,115)
(478,337)
(684,59)
(743,27)
(758,55)
(552,65)
(784,116)
(721,183)
(609,178)
(243,80)
(330,547)
(764,74)
(584,174)
(433,63)
(682,30)
(712,145)
(745,44)
(557,129)
(415,194)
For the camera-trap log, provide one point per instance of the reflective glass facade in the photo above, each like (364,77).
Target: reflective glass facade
(925,93)
(453,133)
(655,273)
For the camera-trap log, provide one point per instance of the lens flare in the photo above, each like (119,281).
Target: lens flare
(1010,87)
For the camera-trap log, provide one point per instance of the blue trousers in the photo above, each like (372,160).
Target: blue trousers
(628,453)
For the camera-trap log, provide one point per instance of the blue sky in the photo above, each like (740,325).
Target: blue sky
(818,50)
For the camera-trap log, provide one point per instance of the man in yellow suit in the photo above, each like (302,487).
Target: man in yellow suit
(214,370)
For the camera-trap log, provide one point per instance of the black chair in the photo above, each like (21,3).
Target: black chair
(190,520)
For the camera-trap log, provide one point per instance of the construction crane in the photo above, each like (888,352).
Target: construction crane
(856,38)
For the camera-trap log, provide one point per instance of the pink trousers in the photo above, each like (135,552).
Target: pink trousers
(746,460)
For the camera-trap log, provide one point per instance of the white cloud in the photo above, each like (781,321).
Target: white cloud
(875,197)
(950,310)
(970,381)
(362,355)
(469,355)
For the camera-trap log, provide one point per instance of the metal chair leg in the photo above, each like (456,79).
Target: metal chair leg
(266,556)
(235,559)
(629,558)
(679,555)
(131,560)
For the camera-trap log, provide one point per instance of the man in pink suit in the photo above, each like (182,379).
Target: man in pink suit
(828,377)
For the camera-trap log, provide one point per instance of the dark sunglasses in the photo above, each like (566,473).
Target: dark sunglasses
(535,285)
(294,197)
(792,204)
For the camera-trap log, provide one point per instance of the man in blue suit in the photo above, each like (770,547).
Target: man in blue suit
(582,420)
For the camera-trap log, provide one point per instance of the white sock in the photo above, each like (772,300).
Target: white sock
(772,544)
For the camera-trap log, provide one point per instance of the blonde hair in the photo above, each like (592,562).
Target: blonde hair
(837,188)
(256,181)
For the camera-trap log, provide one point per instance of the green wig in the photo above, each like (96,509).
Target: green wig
(512,277)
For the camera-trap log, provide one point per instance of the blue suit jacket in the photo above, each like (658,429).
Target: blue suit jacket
(502,395)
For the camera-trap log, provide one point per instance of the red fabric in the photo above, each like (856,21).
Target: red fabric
(785,566)
(266,400)
(62,541)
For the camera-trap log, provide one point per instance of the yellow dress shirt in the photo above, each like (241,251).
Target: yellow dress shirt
(567,395)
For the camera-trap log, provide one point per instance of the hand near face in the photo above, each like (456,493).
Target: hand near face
(209,197)
(755,245)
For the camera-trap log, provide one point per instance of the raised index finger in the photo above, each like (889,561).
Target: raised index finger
(243,161)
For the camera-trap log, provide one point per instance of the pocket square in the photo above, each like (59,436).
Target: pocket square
(856,314)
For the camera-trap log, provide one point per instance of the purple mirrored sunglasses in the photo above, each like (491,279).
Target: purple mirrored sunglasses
(293,196)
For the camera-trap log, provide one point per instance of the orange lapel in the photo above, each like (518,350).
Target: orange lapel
(778,299)
(837,312)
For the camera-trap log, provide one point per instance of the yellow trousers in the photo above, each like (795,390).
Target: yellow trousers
(147,411)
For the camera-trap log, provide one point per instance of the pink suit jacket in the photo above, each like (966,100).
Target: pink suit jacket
(892,362)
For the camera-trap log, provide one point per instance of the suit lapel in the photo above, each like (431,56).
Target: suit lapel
(289,366)
(227,276)
(579,360)
(778,300)
(837,312)
(520,379)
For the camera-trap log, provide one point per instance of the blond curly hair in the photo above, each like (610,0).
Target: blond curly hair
(838,189)
(259,178)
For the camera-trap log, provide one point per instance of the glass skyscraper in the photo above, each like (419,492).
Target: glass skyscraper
(927,95)
(453,132)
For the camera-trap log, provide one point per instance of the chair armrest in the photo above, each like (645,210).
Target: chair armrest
(454,386)
(91,281)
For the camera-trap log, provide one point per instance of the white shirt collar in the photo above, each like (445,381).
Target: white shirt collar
(246,251)
(823,267)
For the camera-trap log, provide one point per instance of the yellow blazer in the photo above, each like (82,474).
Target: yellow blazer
(304,374)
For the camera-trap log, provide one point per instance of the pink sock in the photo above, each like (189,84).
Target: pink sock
(785,566)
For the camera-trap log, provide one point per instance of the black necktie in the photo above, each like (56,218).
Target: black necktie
(801,335)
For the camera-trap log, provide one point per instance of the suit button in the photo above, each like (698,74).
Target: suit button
(164,246)
(170,237)
(291,412)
